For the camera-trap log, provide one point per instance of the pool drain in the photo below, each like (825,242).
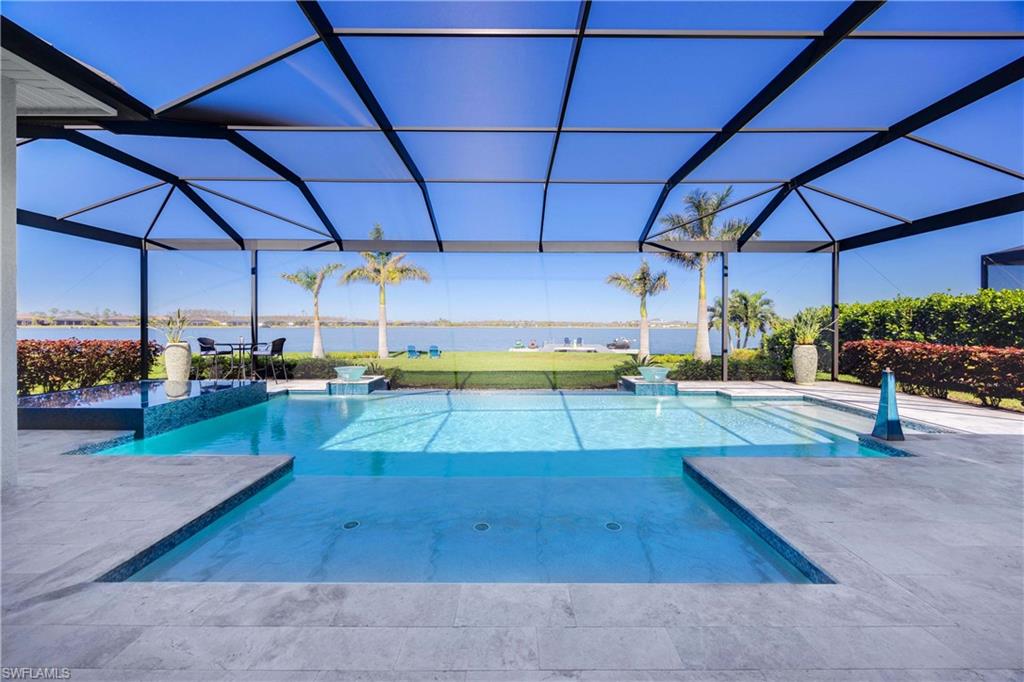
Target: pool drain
(611,525)
(350,525)
(482,526)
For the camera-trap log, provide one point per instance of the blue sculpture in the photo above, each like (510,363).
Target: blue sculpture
(887,421)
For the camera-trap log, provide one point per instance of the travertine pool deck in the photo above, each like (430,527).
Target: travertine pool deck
(927,553)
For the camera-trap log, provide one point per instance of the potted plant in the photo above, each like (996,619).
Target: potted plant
(177,352)
(807,326)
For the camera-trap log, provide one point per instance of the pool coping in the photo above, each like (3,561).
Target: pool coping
(149,554)
(144,419)
(810,570)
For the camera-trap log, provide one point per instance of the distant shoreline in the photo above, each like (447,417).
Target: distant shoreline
(428,325)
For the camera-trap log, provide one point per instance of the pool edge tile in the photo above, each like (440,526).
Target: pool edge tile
(154,551)
(815,574)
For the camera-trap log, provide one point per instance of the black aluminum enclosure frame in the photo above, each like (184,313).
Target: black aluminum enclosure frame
(1007,257)
(135,118)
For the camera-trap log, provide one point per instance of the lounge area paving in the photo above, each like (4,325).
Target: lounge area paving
(927,553)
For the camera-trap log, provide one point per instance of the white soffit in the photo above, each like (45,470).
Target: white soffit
(40,93)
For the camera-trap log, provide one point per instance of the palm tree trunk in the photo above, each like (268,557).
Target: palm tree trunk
(318,340)
(645,332)
(382,327)
(702,351)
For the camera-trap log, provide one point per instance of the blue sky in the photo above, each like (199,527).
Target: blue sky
(518,82)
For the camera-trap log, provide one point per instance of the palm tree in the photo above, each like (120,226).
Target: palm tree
(312,280)
(735,323)
(383,268)
(697,222)
(755,312)
(641,284)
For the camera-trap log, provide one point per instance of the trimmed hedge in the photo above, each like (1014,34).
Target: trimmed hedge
(743,366)
(986,318)
(57,365)
(312,368)
(992,374)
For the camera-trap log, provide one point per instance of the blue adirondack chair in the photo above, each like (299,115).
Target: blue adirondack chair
(435,352)
(412,352)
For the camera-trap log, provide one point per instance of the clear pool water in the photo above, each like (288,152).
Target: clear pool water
(465,487)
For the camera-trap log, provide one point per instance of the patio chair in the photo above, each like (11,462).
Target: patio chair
(270,352)
(435,352)
(412,352)
(208,350)
(566,341)
(579,340)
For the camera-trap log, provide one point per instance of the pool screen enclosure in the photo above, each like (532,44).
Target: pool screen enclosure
(432,112)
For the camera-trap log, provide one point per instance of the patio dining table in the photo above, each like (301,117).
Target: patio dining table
(238,351)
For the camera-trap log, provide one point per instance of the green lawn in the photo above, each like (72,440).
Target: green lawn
(503,369)
(504,361)
(497,369)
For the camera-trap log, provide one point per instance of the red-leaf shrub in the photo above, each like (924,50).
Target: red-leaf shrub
(56,365)
(933,369)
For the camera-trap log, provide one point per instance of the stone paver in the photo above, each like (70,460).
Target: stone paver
(927,552)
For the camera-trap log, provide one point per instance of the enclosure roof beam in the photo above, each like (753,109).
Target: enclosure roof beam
(126,159)
(984,86)
(159,212)
(716,211)
(840,27)
(814,214)
(76,229)
(227,80)
(577,45)
(105,202)
(854,202)
(254,207)
(482,246)
(1013,203)
(172,128)
(628,33)
(1007,257)
(617,130)
(247,146)
(966,157)
(493,181)
(316,17)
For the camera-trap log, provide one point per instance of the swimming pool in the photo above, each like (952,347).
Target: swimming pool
(498,487)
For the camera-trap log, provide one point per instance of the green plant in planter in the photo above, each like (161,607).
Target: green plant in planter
(173,326)
(808,325)
(177,354)
(631,367)
(393,375)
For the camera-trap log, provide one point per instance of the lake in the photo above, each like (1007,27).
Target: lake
(300,339)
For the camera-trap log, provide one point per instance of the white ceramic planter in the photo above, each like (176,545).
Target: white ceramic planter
(178,361)
(654,374)
(350,372)
(805,364)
